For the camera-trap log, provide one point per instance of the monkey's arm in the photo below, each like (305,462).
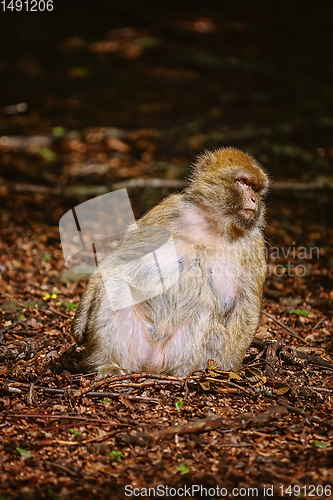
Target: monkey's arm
(242,322)
(240,329)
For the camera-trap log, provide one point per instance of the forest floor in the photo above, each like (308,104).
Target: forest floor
(64,435)
(112,109)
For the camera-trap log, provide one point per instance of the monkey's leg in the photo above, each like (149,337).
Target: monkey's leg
(241,327)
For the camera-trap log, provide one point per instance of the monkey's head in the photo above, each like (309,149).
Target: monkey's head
(230,185)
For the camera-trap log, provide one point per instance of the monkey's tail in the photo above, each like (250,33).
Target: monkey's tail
(80,322)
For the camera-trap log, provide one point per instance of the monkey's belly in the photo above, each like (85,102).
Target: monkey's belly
(136,346)
(166,354)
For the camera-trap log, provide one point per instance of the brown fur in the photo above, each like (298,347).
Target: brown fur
(212,310)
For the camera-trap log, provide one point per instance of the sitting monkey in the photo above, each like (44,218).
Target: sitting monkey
(185,285)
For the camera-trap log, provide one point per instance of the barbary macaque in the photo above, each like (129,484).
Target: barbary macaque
(185,285)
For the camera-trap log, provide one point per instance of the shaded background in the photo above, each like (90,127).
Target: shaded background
(169,79)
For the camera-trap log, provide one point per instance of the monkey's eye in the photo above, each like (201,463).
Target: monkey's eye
(243,181)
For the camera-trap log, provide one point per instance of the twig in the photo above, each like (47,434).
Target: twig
(84,441)
(247,390)
(59,313)
(318,323)
(306,415)
(291,358)
(322,367)
(60,416)
(187,391)
(294,334)
(206,424)
(303,186)
(239,445)
(203,425)
(116,395)
(98,190)
(22,323)
(67,470)
(274,412)
(315,360)
(145,384)
(86,190)
(92,394)
(259,344)
(117,378)
(31,396)
(158,377)
(270,357)
(83,375)
(6,329)
(7,389)
(319,389)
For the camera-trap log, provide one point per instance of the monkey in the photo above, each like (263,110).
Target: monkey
(210,243)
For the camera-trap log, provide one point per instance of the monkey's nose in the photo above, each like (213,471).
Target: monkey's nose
(251,203)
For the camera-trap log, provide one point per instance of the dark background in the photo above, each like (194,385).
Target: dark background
(121,91)
(205,67)
(255,63)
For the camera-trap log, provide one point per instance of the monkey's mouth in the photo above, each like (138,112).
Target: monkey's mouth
(247,213)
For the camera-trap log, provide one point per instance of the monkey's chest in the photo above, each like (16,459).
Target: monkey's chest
(224,281)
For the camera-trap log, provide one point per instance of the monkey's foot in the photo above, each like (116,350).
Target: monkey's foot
(109,370)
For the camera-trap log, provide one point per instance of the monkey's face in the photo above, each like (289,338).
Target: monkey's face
(247,207)
(235,195)
(230,185)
